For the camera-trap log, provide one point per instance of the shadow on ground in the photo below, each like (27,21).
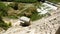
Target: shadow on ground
(58,31)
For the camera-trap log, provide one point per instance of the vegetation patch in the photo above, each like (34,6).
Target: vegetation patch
(25,1)
(3,13)
(12,17)
(16,10)
(54,1)
(36,16)
(3,9)
(4,25)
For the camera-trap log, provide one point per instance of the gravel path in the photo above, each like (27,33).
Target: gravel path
(47,25)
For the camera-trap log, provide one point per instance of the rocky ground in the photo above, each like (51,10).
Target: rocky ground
(47,25)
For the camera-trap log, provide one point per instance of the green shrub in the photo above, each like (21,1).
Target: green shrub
(4,25)
(3,9)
